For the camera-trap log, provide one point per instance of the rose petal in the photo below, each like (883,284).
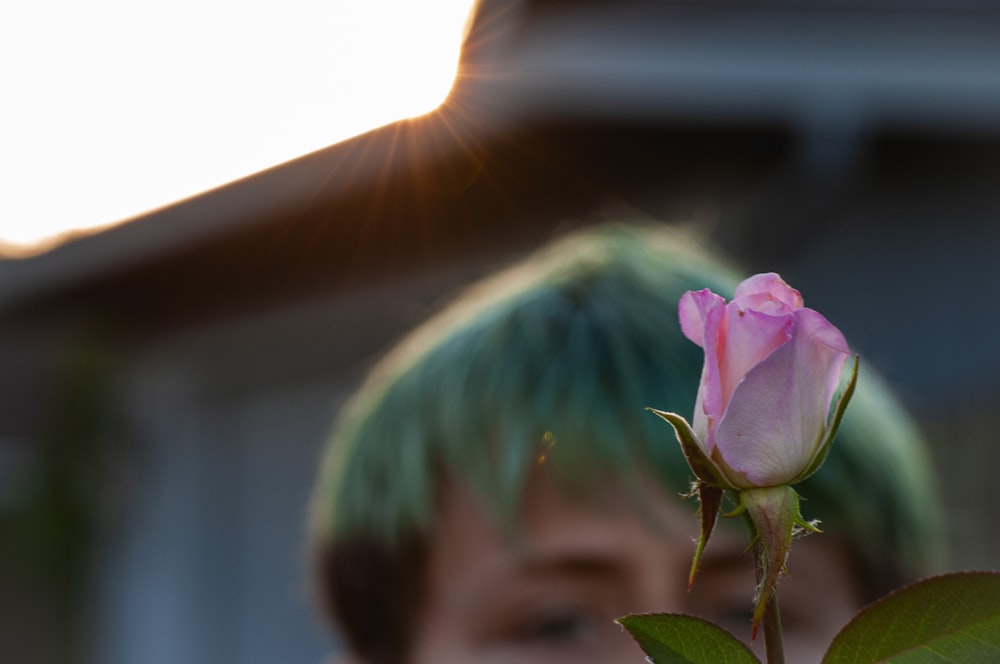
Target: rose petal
(777,415)
(698,310)
(710,402)
(823,330)
(693,311)
(750,337)
(768,293)
(699,422)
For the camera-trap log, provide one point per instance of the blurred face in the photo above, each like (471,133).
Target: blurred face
(550,593)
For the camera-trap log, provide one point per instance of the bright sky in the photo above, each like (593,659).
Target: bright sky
(111,108)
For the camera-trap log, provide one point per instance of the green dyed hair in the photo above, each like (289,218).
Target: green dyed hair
(559,355)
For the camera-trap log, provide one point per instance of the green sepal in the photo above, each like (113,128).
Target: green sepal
(774,514)
(701,464)
(709,485)
(831,429)
(710,498)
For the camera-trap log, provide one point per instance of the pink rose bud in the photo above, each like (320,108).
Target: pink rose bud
(772,368)
(764,418)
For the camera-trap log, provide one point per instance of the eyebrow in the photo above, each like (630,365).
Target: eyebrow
(571,563)
(511,591)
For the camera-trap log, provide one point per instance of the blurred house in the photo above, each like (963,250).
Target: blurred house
(166,385)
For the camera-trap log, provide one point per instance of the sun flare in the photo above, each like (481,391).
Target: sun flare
(123,107)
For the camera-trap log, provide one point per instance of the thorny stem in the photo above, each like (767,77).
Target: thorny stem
(774,644)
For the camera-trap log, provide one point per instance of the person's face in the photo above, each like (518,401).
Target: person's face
(550,593)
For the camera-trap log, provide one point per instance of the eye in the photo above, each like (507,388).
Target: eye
(560,627)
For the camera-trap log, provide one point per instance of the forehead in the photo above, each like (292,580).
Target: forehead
(612,523)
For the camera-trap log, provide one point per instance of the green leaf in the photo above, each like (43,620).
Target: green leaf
(670,638)
(949,618)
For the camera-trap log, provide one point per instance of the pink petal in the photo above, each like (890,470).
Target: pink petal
(750,337)
(776,417)
(699,422)
(823,330)
(768,293)
(710,401)
(693,311)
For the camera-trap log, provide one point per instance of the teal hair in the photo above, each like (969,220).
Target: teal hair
(558,356)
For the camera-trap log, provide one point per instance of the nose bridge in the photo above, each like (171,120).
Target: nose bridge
(662,558)
(661,586)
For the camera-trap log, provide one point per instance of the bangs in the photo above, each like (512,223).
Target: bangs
(556,365)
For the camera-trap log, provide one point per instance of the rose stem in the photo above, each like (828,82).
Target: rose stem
(773,642)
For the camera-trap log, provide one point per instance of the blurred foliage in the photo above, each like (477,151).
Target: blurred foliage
(46,535)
